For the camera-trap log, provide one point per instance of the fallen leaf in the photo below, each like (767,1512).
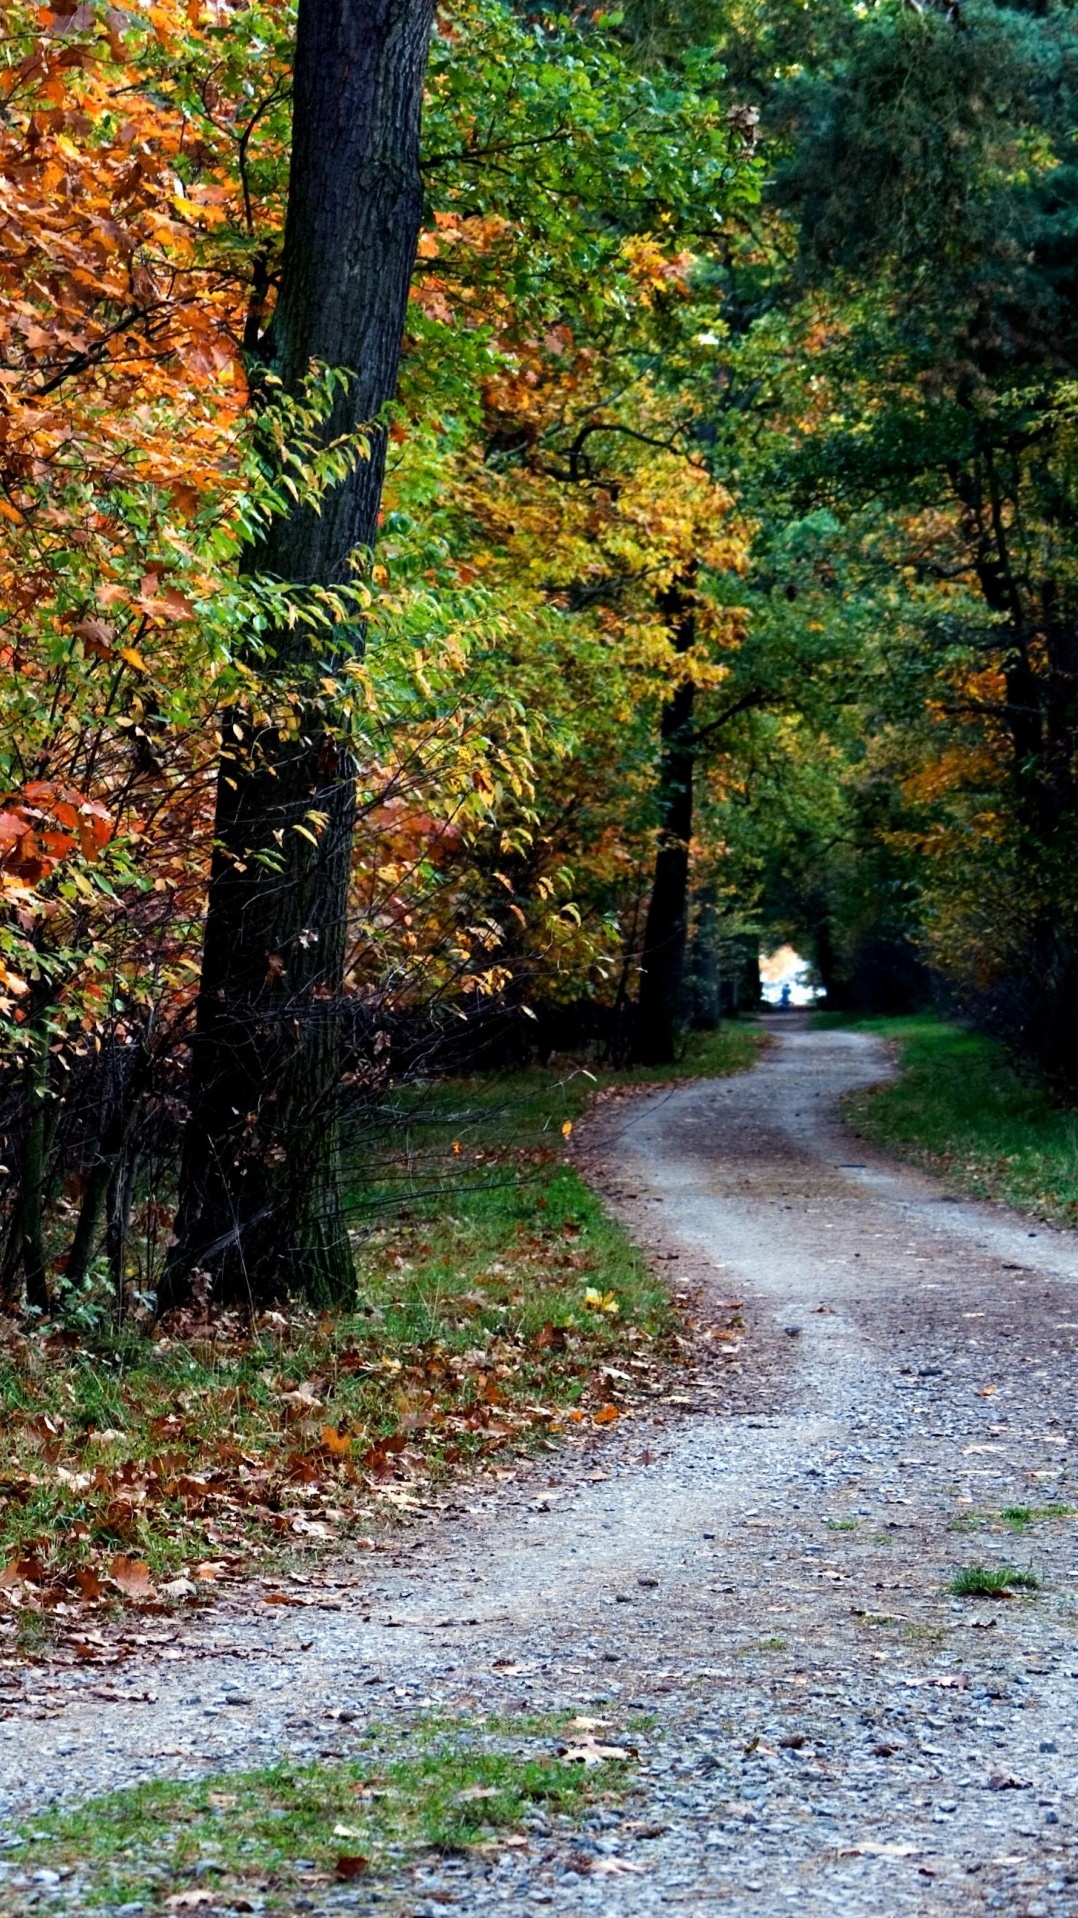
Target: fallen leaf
(871,1848)
(586,1751)
(179,1588)
(190,1900)
(552,1338)
(351,1864)
(132,1577)
(613,1867)
(606,1415)
(606,1302)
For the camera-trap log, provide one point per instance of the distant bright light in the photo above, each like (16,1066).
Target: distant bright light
(787,979)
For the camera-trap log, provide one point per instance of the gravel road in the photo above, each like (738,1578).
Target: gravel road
(765,1571)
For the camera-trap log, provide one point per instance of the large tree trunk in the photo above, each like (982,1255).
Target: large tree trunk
(260,1201)
(659,1007)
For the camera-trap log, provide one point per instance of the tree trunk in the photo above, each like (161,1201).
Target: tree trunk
(659,1007)
(260,1202)
(30,1221)
(24,1247)
(706,979)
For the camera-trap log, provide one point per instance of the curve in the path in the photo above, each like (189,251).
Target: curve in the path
(768,1575)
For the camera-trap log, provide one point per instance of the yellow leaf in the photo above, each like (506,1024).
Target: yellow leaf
(601,1302)
(133,658)
(567,1128)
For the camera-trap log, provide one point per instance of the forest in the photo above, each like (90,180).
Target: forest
(471,574)
(511,517)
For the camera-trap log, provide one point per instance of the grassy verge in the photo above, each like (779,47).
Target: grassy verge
(258,1840)
(959,1107)
(498,1304)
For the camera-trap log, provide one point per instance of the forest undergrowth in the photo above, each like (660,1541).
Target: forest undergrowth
(498,1306)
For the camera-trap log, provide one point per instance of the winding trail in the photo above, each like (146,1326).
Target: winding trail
(766,1572)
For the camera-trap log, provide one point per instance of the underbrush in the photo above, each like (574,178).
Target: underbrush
(498,1305)
(276,1834)
(961,1108)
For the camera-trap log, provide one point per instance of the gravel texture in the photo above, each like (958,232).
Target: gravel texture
(764,1569)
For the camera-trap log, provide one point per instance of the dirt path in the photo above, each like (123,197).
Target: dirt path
(833,1730)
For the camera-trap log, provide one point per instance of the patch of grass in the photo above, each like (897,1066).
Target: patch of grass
(992,1581)
(276,1832)
(1020,1517)
(842,1525)
(922,1634)
(961,1108)
(967,1522)
(498,1303)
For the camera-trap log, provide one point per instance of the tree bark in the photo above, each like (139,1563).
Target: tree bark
(705,1010)
(659,1006)
(260,1200)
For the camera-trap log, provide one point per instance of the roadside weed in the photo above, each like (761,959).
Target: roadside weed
(993,1581)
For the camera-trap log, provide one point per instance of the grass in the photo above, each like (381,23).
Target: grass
(961,1108)
(992,1581)
(499,1306)
(1016,1518)
(273,1834)
(1019,1518)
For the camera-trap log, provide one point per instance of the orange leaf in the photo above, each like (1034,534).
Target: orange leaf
(336,1442)
(97,635)
(132,658)
(607,1415)
(177,605)
(132,1576)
